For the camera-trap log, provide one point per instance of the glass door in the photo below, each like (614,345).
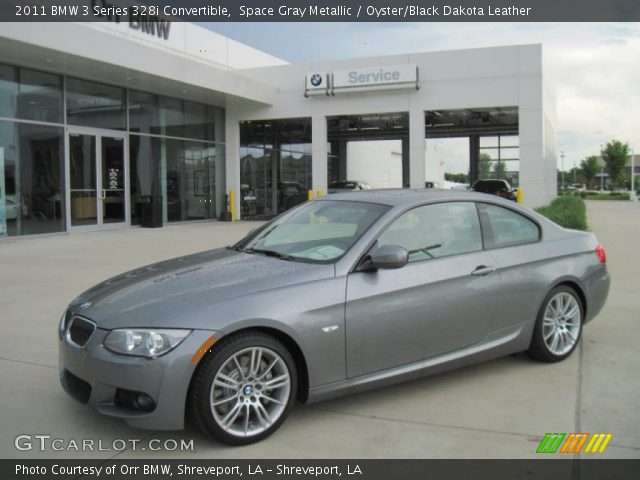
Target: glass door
(97,172)
(83,180)
(113,186)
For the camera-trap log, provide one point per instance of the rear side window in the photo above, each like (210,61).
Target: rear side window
(504,227)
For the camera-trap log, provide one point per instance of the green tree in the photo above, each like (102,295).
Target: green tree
(499,169)
(615,155)
(484,166)
(456,177)
(589,168)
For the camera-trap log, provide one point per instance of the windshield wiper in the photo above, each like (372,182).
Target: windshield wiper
(271,253)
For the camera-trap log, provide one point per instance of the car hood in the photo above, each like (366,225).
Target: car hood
(162,294)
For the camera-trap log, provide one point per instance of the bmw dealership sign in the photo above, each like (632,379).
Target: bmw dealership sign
(317,83)
(361,79)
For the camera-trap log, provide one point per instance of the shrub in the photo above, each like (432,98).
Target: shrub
(567,211)
(608,196)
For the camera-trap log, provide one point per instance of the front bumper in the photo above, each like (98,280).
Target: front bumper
(93,375)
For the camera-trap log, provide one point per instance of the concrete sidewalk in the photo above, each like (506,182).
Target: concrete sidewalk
(499,409)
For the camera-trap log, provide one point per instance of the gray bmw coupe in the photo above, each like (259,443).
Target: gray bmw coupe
(354,291)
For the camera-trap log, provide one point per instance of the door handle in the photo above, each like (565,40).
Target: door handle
(483,270)
(103,194)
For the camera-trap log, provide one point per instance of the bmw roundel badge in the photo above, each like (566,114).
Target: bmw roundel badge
(316,79)
(84,305)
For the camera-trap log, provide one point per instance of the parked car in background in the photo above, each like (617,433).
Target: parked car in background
(11,208)
(347,186)
(579,187)
(348,292)
(494,186)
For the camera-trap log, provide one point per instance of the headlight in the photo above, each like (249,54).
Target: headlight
(143,342)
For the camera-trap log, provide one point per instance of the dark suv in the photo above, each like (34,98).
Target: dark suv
(494,186)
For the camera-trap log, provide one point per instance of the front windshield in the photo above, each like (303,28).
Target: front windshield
(320,231)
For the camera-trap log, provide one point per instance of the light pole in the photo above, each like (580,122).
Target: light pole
(574,171)
(602,168)
(562,166)
(632,194)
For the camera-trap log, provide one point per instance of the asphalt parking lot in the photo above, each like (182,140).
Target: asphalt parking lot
(499,409)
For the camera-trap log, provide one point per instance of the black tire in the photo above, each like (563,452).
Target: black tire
(200,405)
(539,349)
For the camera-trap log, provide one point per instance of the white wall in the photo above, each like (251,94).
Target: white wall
(379,163)
(200,44)
(193,62)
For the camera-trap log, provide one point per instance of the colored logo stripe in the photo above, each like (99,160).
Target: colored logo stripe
(573,443)
(550,443)
(598,443)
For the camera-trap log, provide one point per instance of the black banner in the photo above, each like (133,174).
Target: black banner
(555,469)
(321,10)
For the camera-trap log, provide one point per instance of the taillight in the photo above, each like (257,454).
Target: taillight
(601,254)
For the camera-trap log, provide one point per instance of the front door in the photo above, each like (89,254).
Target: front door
(443,300)
(98,179)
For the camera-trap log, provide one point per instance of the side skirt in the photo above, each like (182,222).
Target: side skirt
(498,344)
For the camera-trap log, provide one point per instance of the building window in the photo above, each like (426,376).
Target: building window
(32,179)
(188,175)
(158,115)
(93,104)
(174,154)
(8,91)
(500,158)
(275,165)
(30,94)
(176,151)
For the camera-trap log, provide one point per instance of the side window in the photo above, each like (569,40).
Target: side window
(436,230)
(504,227)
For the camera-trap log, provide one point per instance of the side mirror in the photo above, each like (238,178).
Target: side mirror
(387,256)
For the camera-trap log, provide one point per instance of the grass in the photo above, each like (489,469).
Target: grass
(567,211)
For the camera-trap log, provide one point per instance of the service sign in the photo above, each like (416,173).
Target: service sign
(317,83)
(398,76)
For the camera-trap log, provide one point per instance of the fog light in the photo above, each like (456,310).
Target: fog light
(132,400)
(145,402)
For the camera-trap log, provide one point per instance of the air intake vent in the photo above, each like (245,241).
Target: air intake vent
(80,331)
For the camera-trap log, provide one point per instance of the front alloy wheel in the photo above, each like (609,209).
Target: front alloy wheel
(558,326)
(244,389)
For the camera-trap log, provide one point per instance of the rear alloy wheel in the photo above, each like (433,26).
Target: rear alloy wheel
(245,389)
(558,326)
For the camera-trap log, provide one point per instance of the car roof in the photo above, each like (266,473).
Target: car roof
(409,196)
(401,198)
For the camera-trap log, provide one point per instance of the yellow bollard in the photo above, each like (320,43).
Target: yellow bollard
(520,195)
(232,205)
(310,195)
(319,193)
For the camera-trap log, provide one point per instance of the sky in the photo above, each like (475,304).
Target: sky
(594,67)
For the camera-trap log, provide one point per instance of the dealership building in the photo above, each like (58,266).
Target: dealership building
(114,124)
